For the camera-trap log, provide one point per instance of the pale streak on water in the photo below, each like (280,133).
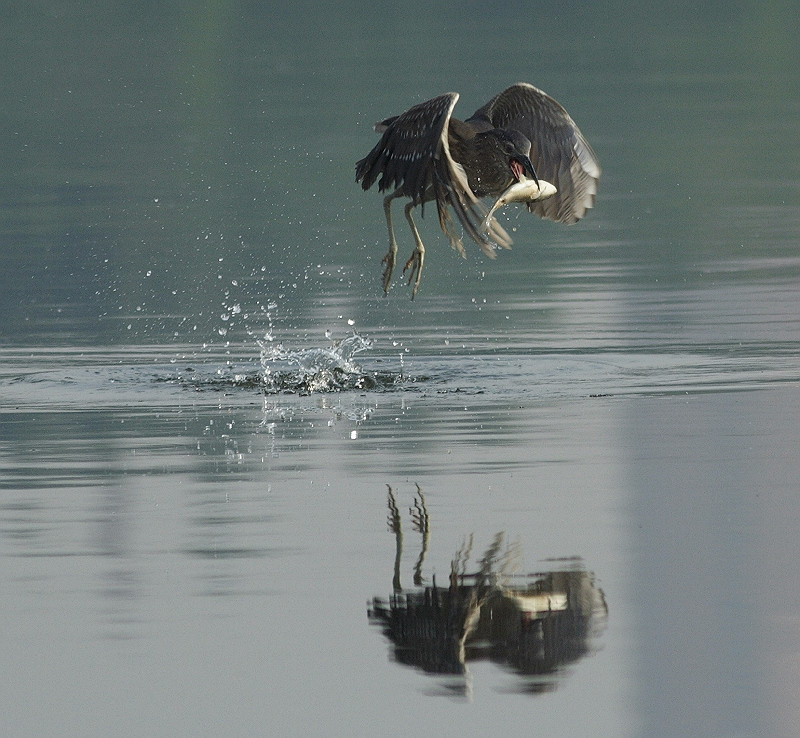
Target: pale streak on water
(209,415)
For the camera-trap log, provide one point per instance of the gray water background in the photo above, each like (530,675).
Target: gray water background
(183,554)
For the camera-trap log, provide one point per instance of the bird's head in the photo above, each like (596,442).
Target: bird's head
(516,148)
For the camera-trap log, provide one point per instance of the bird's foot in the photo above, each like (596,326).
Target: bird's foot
(415,264)
(389,261)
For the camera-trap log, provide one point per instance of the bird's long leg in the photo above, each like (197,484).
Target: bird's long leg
(391,257)
(417,259)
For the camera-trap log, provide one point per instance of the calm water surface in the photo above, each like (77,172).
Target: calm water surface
(243,493)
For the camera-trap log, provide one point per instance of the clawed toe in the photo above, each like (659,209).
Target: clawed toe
(415,264)
(389,260)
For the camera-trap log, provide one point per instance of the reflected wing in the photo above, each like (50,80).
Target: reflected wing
(413,154)
(559,152)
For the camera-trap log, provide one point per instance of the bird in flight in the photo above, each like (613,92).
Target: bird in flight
(520,146)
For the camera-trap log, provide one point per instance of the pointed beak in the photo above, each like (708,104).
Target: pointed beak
(523,169)
(528,167)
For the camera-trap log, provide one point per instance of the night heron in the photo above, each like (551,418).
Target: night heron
(521,146)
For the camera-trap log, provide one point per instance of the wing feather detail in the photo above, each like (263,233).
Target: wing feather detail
(413,154)
(559,152)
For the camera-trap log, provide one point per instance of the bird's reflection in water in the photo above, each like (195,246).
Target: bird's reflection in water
(532,624)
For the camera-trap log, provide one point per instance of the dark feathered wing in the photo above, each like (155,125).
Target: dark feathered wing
(559,152)
(406,154)
(413,154)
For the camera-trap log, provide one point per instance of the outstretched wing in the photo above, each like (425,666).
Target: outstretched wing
(406,154)
(413,154)
(559,152)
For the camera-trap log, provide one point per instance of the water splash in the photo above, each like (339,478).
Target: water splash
(330,369)
(297,369)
